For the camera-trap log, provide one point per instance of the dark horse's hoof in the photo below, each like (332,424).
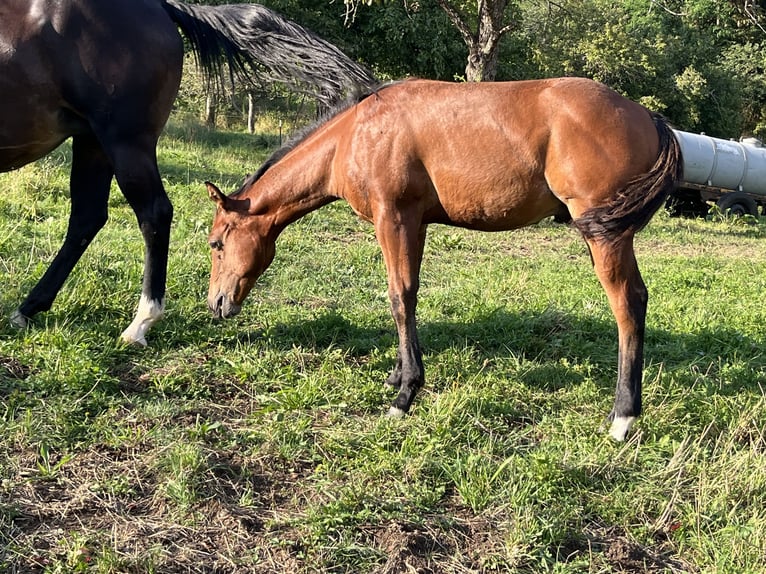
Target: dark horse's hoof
(18,320)
(620,427)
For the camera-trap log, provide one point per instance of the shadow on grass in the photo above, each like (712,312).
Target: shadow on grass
(557,346)
(552,339)
(558,349)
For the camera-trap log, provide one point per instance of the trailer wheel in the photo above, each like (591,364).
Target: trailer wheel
(737,204)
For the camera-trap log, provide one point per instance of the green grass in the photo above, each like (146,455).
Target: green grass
(259,444)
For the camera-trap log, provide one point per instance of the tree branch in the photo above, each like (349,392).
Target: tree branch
(459,21)
(751,11)
(668,10)
(504,30)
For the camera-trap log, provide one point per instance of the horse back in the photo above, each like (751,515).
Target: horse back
(494,156)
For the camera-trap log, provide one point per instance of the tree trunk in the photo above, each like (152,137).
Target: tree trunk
(490,31)
(482,62)
(484,42)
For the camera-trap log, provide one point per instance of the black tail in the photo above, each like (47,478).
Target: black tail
(259,44)
(634,206)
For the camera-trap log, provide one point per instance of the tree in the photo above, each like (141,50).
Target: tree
(481,24)
(481,32)
(702,63)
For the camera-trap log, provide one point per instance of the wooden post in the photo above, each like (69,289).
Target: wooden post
(210,105)
(250,113)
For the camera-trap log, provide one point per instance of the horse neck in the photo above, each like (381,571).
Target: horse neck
(296,185)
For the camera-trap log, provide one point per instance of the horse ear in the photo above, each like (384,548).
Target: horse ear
(216,195)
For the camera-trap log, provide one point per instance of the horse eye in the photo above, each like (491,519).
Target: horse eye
(216,244)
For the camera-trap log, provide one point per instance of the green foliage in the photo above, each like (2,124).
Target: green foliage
(396,39)
(409,39)
(689,61)
(747,64)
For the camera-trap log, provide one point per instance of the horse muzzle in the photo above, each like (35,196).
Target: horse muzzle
(222,306)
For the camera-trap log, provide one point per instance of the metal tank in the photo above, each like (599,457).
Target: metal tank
(730,173)
(739,166)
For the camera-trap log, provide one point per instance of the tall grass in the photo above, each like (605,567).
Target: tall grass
(260,445)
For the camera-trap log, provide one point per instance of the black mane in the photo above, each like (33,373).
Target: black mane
(306,131)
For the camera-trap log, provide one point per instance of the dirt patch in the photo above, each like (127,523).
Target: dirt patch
(461,542)
(12,368)
(625,555)
(411,548)
(112,504)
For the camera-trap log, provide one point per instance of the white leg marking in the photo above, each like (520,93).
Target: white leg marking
(396,413)
(620,427)
(18,320)
(149,311)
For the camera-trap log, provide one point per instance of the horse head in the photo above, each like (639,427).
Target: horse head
(242,249)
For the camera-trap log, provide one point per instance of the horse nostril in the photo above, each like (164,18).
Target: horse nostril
(216,305)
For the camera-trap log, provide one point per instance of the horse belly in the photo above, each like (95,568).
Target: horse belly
(26,137)
(29,129)
(33,121)
(495,203)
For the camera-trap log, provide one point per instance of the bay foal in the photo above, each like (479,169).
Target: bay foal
(487,156)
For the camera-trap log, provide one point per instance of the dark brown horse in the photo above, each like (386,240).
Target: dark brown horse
(106,73)
(489,156)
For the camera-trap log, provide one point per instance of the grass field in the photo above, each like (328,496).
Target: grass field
(259,444)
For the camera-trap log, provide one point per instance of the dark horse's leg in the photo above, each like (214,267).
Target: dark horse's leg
(140,182)
(402,243)
(135,166)
(615,265)
(89,189)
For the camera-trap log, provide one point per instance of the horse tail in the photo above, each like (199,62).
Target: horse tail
(259,44)
(633,207)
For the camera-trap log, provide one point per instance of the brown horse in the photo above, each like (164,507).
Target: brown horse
(488,156)
(106,73)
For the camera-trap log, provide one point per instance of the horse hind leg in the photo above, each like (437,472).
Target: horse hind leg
(90,179)
(616,268)
(139,179)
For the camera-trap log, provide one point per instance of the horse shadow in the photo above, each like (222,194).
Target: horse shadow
(558,349)
(550,343)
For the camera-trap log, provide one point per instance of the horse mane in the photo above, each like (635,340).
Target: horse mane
(304,132)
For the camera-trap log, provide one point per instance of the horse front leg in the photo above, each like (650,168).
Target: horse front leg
(615,265)
(402,245)
(89,183)
(139,180)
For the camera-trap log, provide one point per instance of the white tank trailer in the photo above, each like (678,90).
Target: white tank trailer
(730,174)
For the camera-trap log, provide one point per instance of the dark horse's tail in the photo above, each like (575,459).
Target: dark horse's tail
(258,43)
(634,206)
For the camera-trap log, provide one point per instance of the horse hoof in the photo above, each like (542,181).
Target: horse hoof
(18,320)
(620,427)
(130,340)
(396,413)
